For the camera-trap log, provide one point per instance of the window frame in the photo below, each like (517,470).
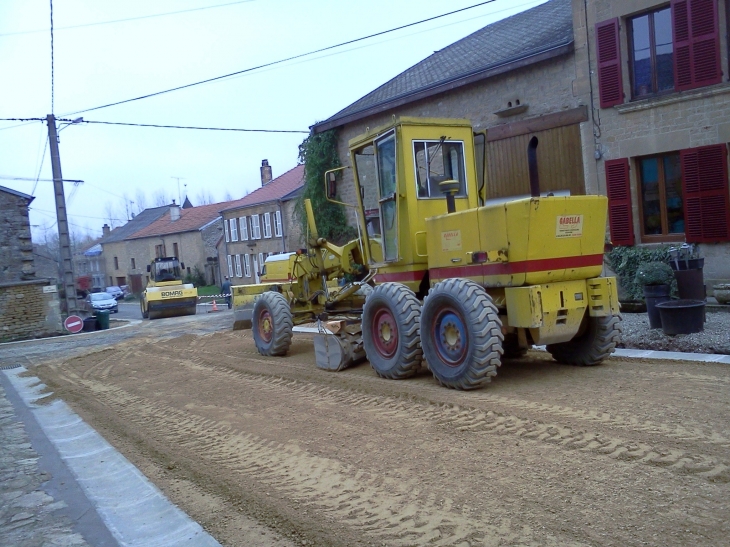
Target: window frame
(225,229)
(255,227)
(238,266)
(267,225)
(277,224)
(247,265)
(234,228)
(244,228)
(652,48)
(230,267)
(664,237)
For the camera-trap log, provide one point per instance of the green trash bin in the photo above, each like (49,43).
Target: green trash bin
(102,320)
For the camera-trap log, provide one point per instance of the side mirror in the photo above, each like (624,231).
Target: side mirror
(149,268)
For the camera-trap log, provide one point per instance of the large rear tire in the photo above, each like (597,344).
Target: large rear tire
(461,334)
(272,324)
(599,339)
(391,321)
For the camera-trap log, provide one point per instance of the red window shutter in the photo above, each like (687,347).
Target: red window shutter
(619,202)
(706,194)
(696,35)
(608,52)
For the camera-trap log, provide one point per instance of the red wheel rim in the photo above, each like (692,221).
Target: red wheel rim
(266,326)
(385,332)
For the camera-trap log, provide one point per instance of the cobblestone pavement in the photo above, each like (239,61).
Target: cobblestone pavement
(29,515)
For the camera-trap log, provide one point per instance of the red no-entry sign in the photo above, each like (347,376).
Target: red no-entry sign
(73,324)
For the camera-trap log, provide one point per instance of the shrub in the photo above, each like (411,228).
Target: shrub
(654,273)
(625,262)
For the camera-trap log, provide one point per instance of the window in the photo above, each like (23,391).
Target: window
(230,267)
(247,265)
(244,228)
(238,266)
(234,229)
(660,196)
(435,162)
(225,228)
(682,196)
(255,227)
(116,263)
(175,250)
(652,53)
(675,48)
(134,264)
(267,225)
(160,250)
(277,224)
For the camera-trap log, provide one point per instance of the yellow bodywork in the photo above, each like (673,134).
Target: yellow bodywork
(169,299)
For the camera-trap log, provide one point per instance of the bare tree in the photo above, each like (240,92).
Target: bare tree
(160,198)
(111,215)
(205,197)
(140,201)
(228,196)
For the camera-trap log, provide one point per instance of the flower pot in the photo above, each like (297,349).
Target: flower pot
(690,284)
(655,294)
(722,293)
(682,316)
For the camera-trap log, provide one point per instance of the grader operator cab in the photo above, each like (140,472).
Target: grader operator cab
(440,273)
(166,295)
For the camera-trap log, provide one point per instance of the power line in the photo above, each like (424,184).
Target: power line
(127,19)
(281,60)
(195,127)
(35,179)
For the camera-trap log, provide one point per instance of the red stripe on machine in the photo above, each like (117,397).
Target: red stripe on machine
(512,268)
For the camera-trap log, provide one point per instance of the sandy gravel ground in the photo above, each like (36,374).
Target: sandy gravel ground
(628,453)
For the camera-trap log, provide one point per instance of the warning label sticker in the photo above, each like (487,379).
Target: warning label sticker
(451,240)
(569,226)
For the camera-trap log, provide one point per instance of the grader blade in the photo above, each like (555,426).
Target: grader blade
(337,352)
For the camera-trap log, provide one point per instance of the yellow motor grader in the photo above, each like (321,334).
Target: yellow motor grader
(166,295)
(440,274)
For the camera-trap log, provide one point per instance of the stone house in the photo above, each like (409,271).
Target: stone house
(658,78)
(537,74)
(260,224)
(115,262)
(189,234)
(29,306)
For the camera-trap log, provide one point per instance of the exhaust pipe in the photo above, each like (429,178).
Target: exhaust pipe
(532,164)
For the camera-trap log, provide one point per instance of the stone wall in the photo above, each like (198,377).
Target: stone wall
(16,248)
(26,311)
(641,127)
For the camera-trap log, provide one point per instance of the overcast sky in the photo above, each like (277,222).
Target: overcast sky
(100,62)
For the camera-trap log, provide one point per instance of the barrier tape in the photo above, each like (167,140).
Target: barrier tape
(215,296)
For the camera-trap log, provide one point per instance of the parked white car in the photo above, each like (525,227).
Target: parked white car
(101,301)
(115,291)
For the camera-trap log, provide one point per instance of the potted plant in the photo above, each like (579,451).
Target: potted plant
(656,280)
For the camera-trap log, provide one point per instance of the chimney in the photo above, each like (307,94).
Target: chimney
(105,230)
(174,211)
(265,172)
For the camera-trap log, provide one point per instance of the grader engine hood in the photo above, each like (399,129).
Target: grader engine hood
(522,242)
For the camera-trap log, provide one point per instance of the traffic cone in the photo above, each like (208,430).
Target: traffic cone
(215,307)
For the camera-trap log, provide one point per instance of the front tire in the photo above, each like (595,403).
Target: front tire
(272,324)
(391,323)
(461,334)
(596,344)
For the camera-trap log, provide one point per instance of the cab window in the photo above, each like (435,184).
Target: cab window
(435,162)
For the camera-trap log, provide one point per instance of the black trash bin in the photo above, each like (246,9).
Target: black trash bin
(89,324)
(682,316)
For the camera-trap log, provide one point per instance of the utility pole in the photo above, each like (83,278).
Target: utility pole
(64,238)
(179,198)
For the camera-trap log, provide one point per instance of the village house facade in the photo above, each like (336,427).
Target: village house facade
(29,306)
(628,98)
(261,224)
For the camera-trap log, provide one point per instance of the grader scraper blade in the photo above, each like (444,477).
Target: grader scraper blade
(335,353)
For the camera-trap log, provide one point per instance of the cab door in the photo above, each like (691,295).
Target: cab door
(385,157)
